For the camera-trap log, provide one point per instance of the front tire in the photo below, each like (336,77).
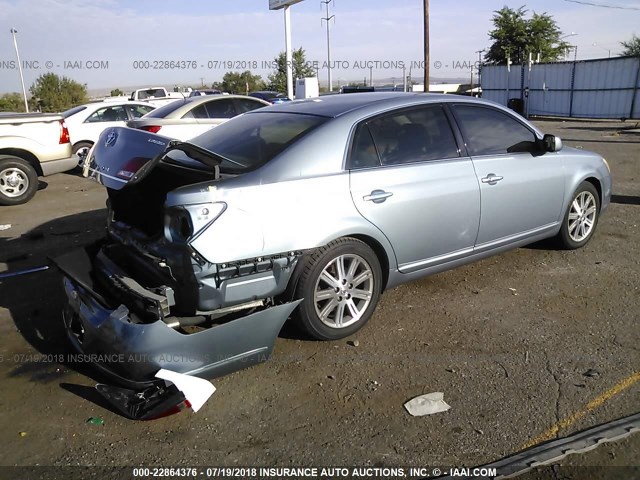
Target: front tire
(581,217)
(341,285)
(18,181)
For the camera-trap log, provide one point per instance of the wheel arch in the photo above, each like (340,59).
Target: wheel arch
(372,243)
(597,185)
(24,155)
(82,141)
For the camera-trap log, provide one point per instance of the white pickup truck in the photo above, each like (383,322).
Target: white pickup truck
(157,96)
(31,145)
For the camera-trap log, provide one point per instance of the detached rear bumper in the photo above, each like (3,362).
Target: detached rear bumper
(131,353)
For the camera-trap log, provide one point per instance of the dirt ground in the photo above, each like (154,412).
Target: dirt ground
(517,343)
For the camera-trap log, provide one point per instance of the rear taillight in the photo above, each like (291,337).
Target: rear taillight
(64,133)
(152,128)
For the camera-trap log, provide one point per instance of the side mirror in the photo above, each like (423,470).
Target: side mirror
(552,143)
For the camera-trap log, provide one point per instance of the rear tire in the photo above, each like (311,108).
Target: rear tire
(340,285)
(18,181)
(581,217)
(81,149)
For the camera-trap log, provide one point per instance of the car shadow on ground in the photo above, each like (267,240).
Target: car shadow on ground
(582,140)
(35,300)
(625,199)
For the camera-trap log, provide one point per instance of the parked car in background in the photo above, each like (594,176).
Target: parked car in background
(270,96)
(86,122)
(156,96)
(31,145)
(315,207)
(187,118)
(205,91)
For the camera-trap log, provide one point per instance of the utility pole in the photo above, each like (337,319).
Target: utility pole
(479,52)
(288,54)
(328,19)
(426,46)
(24,91)
(202,81)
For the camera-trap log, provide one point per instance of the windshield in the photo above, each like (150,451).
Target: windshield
(251,140)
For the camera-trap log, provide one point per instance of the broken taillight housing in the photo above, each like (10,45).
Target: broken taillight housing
(64,133)
(177,225)
(184,222)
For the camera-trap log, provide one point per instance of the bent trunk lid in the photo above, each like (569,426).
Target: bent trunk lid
(125,155)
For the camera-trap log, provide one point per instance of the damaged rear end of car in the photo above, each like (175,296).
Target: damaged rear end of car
(144,298)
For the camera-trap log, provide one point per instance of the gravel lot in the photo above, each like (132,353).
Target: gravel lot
(508,340)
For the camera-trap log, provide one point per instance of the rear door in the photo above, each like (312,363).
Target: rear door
(409,179)
(522,187)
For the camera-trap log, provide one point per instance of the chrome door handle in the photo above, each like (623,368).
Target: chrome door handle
(492,179)
(377,196)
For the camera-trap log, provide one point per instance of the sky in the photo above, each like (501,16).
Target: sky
(127,42)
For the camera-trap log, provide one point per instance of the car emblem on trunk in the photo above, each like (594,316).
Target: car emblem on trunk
(111,139)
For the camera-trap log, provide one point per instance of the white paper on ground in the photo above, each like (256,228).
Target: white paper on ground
(196,390)
(427,404)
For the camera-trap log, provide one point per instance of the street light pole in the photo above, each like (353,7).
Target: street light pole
(426,46)
(595,44)
(24,91)
(288,55)
(328,19)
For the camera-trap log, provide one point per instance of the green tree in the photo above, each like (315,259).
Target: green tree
(116,92)
(11,102)
(515,36)
(55,94)
(241,83)
(301,69)
(631,47)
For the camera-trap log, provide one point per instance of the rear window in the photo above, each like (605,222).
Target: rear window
(165,110)
(252,140)
(72,111)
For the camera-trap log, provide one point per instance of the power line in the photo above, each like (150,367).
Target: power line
(602,5)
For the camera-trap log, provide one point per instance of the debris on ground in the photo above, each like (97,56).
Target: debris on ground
(95,421)
(373,385)
(427,404)
(196,390)
(22,434)
(353,343)
(23,272)
(513,291)
(591,373)
(6,226)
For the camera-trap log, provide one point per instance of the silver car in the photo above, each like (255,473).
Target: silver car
(311,208)
(186,118)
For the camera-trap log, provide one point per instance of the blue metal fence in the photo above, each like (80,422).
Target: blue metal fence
(603,88)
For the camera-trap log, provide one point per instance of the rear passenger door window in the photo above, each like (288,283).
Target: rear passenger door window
(488,131)
(221,108)
(413,135)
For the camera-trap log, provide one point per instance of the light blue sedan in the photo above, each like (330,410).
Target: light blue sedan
(313,207)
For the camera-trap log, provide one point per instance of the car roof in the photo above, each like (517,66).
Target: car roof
(213,98)
(340,104)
